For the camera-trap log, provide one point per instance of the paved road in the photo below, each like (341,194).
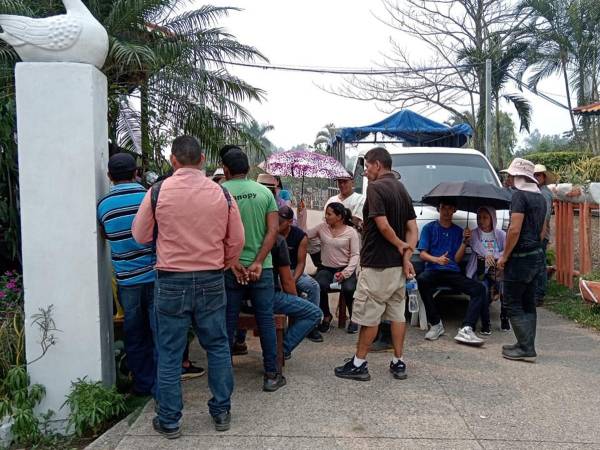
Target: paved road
(455,397)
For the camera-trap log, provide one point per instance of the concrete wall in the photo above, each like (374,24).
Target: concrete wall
(63,153)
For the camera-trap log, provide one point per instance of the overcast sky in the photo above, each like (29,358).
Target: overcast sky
(332,33)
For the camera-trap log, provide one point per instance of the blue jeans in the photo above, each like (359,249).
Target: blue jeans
(196,298)
(139,327)
(310,287)
(260,294)
(305,317)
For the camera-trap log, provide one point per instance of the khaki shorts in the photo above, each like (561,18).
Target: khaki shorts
(380,295)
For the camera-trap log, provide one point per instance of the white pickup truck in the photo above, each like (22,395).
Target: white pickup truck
(423,168)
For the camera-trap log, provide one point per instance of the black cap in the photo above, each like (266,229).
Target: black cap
(121,163)
(287,213)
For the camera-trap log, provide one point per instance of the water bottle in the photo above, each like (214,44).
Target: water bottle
(412,291)
(335,286)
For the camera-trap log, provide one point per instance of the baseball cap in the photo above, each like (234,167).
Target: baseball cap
(287,213)
(121,163)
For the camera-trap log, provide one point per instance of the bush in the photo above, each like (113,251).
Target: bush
(581,172)
(12,339)
(93,406)
(556,161)
(18,400)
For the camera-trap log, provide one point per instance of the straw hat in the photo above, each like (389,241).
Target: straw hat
(550,176)
(520,167)
(266,179)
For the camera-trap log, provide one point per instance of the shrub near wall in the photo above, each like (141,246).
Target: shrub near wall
(557,161)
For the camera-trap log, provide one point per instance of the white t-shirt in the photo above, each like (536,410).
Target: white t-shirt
(354,203)
(488,240)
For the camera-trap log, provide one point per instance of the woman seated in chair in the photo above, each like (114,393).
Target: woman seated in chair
(339,258)
(487,245)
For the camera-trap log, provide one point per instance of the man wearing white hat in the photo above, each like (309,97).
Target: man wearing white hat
(523,258)
(544,177)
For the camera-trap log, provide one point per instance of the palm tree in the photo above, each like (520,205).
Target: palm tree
(565,40)
(171,64)
(256,134)
(506,57)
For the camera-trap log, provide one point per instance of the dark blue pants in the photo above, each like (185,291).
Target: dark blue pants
(139,327)
(261,294)
(197,299)
(430,280)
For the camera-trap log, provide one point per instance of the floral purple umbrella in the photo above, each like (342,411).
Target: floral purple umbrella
(303,163)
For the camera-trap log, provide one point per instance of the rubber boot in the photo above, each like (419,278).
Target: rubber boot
(384,339)
(524,329)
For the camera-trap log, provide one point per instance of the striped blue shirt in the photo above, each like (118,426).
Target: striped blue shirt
(133,263)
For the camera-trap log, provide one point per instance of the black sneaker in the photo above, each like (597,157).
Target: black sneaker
(191,371)
(222,421)
(169,433)
(273,381)
(239,348)
(504,324)
(352,328)
(325,325)
(315,336)
(486,330)
(287,355)
(351,372)
(398,370)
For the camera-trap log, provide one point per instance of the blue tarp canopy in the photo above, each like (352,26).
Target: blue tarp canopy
(412,128)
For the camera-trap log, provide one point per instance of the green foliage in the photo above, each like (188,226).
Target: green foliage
(569,304)
(581,172)
(18,398)
(556,161)
(12,335)
(93,406)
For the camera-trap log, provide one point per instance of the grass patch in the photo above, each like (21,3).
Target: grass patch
(568,303)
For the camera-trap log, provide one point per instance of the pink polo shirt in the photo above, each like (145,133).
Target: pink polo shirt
(196,229)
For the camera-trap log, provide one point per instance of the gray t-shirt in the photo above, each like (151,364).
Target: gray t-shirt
(549,198)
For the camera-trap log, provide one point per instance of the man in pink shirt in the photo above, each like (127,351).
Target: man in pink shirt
(198,233)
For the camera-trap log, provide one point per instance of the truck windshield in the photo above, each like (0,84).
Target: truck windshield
(424,171)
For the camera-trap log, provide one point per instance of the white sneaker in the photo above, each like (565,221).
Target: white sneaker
(435,332)
(467,336)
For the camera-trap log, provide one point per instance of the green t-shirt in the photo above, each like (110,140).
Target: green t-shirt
(255,201)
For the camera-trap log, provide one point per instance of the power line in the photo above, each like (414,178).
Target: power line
(539,94)
(337,71)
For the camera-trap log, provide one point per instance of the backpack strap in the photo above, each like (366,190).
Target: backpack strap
(227,196)
(154,192)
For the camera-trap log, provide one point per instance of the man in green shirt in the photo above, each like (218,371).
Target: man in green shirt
(253,277)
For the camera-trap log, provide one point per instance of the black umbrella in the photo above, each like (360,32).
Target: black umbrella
(469,195)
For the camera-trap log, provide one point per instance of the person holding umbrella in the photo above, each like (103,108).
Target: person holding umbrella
(442,246)
(523,259)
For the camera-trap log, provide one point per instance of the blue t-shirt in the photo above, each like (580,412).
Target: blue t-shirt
(437,240)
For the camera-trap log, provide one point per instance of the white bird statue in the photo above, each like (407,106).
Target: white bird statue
(72,37)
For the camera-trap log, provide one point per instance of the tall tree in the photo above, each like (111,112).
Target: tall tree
(565,40)
(446,27)
(505,60)
(169,61)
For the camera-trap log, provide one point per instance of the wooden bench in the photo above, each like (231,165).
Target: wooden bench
(248,322)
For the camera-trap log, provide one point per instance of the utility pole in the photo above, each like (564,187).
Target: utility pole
(488,108)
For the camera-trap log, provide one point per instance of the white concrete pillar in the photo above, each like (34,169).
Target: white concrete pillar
(63,154)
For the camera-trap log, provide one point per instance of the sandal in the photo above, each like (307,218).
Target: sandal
(325,325)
